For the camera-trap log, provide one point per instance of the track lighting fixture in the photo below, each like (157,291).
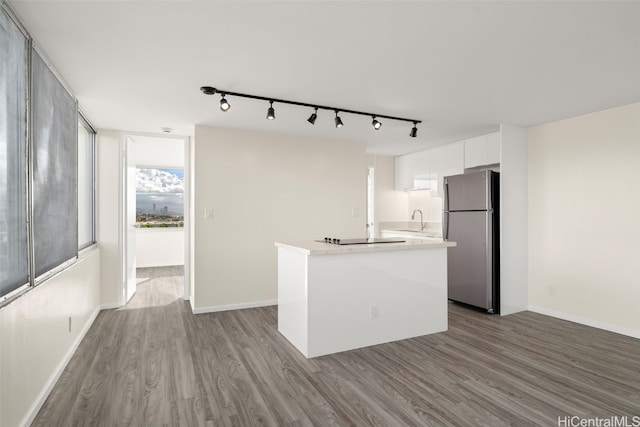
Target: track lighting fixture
(312,118)
(271,113)
(224,104)
(375,123)
(414,130)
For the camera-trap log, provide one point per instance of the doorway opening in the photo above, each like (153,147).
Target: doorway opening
(371,232)
(156,214)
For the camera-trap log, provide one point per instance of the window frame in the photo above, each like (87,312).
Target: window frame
(93,134)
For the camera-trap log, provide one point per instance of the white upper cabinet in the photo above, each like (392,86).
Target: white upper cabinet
(426,169)
(404,179)
(421,170)
(413,171)
(493,148)
(445,160)
(482,150)
(475,151)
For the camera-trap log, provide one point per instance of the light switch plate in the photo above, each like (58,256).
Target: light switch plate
(208,213)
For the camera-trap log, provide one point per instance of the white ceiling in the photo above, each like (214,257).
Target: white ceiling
(461,67)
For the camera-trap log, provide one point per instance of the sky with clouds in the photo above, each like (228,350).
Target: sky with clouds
(164,187)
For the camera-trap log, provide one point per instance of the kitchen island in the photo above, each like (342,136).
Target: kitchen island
(334,298)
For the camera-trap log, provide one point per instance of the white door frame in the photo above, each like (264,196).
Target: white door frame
(123,220)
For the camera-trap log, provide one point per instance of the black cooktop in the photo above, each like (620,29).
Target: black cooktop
(363,241)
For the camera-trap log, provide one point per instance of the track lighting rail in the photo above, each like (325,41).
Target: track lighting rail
(208,90)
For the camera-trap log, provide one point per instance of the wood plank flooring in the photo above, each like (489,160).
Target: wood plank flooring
(153,363)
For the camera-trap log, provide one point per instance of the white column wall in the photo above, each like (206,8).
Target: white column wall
(513,220)
(108,213)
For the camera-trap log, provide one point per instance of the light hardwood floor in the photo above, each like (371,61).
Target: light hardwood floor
(154,363)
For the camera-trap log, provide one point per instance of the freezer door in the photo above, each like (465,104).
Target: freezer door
(469,263)
(467,192)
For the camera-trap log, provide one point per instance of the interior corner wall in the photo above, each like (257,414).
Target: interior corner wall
(109,153)
(262,188)
(38,338)
(584,206)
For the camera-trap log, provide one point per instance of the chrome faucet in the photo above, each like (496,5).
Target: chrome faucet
(413,217)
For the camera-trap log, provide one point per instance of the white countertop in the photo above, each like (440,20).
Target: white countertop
(311,247)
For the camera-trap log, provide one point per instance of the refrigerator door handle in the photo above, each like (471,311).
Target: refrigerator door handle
(488,191)
(490,280)
(445,226)
(446,194)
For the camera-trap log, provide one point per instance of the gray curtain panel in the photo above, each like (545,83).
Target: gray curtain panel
(55,169)
(14,267)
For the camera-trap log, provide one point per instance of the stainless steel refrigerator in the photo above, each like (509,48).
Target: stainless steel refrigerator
(471,219)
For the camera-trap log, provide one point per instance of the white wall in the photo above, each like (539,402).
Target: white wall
(265,187)
(35,337)
(157,151)
(431,206)
(389,205)
(108,213)
(513,220)
(584,211)
(156,247)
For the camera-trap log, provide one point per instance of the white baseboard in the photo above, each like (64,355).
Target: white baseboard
(634,333)
(110,306)
(53,379)
(216,308)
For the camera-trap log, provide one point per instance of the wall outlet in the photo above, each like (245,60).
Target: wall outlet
(551,290)
(374,311)
(208,213)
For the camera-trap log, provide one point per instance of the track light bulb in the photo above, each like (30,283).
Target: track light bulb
(224,104)
(338,120)
(414,130)
(312,118)
(375,123)
(271,113)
